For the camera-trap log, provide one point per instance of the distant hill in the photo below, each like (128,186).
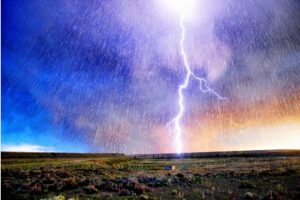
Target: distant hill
(256,153)
(56,155)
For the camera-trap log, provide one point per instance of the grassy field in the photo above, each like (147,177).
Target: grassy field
(222,175)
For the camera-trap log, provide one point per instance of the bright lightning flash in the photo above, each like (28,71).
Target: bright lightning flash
(184,8)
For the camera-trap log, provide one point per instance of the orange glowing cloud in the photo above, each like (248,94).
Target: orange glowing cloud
(272,124)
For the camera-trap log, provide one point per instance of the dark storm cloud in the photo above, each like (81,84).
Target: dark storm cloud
(264,40)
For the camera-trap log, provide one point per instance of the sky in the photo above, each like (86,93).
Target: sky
(103,76)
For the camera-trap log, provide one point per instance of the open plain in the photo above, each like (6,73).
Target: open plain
(217,175)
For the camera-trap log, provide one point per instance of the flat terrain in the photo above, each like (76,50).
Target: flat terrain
(221,175)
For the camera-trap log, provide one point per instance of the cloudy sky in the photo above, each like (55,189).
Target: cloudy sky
(102,76)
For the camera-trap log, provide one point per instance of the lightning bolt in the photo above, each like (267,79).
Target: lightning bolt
(189,74)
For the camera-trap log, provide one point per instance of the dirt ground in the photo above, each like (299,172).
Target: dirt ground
(116,176)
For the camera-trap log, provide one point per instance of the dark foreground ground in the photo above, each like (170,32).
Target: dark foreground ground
(233,175)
